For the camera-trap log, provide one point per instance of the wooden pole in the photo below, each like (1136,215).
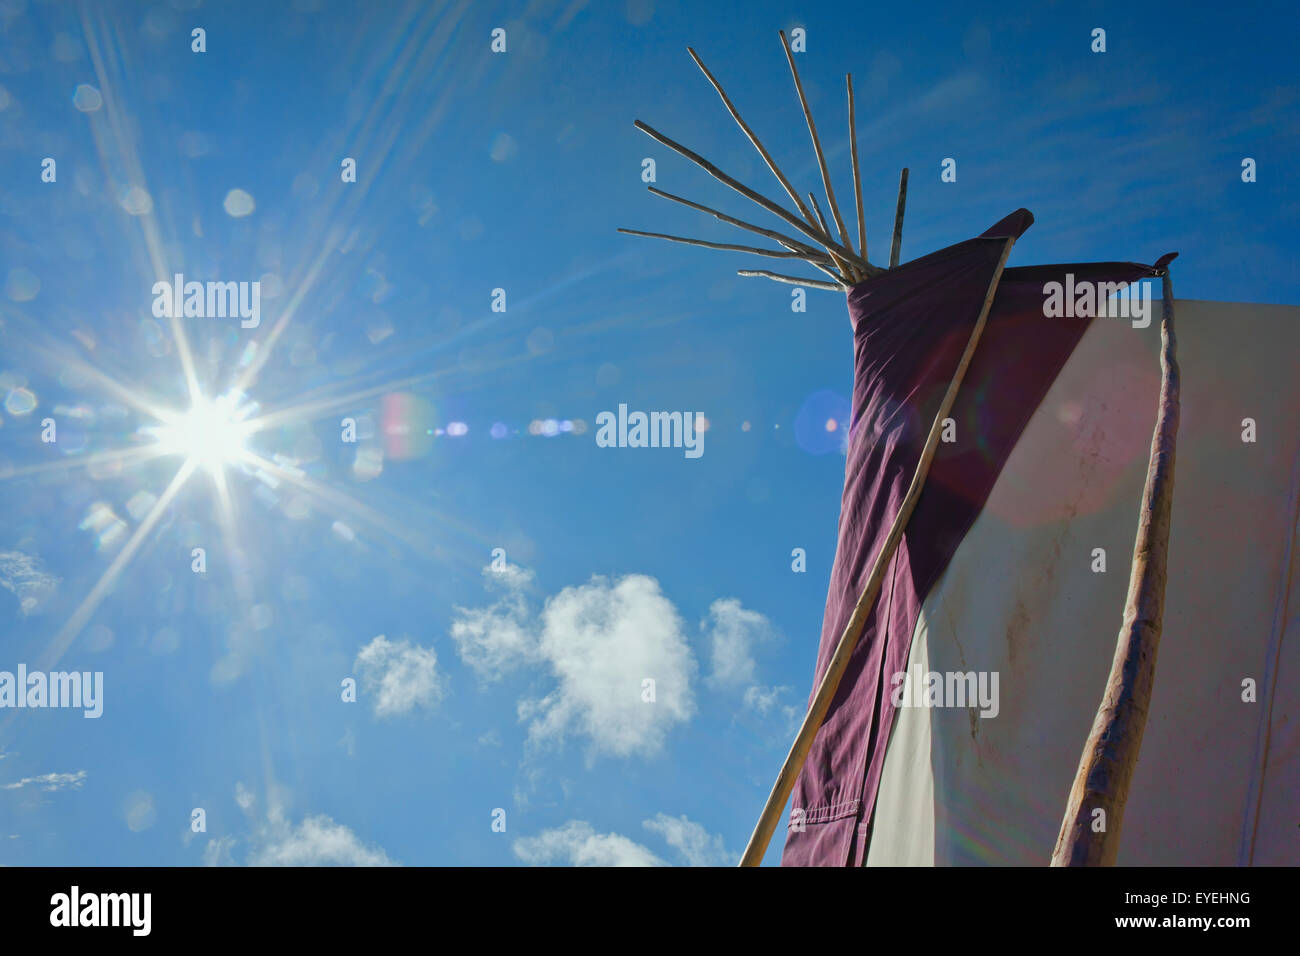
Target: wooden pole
(809,252)
(846,270)
(726,246)
(793,280)
(753,137)
(839,661)
(857,177)
(897,246)
(808,229)
(837,285)
(1105,772)
(817,147)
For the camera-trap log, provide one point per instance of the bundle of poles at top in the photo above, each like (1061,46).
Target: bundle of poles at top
(839,260)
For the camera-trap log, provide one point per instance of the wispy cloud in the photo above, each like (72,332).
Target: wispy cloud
(577,843)
(26,577)
(696,845)
(732,632)
(399,676)
(49,782)
(316,840)
(506,575)
(496,639)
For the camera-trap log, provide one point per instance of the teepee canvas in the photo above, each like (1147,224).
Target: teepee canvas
(968,635)
(1024,595)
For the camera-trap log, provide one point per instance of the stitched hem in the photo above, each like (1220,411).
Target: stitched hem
(829,813)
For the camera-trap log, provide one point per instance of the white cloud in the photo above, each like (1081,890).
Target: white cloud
(220,852)
(762,699)
(317,841)
(691,840)
(400,675)
(507,575)
(578,844)
(600,641)
(495,639)
(49,782)
(26,577)
(732,633)
(770,701)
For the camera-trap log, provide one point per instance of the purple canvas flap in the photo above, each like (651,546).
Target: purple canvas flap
(911,325)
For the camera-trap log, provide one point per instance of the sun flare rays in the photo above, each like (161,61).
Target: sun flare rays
(161,427)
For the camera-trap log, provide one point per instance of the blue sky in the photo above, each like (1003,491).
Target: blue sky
(519,690)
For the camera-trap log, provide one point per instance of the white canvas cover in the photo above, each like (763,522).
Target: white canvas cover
(1218,778)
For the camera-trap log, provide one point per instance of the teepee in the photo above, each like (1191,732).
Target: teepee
(957,341)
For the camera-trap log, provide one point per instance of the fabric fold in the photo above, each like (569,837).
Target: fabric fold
(910,326)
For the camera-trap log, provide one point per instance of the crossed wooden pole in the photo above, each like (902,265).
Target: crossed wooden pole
(836,258)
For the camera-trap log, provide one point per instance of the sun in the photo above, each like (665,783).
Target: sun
(210,433)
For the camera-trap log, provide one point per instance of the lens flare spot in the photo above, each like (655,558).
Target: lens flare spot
(369,463)
(503,147)
(136,201)
(20,401)
(107,528)
(406,423)
(86,98)
(238,204)
(22,285)
(817,426)
(378,328)
(139,504)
